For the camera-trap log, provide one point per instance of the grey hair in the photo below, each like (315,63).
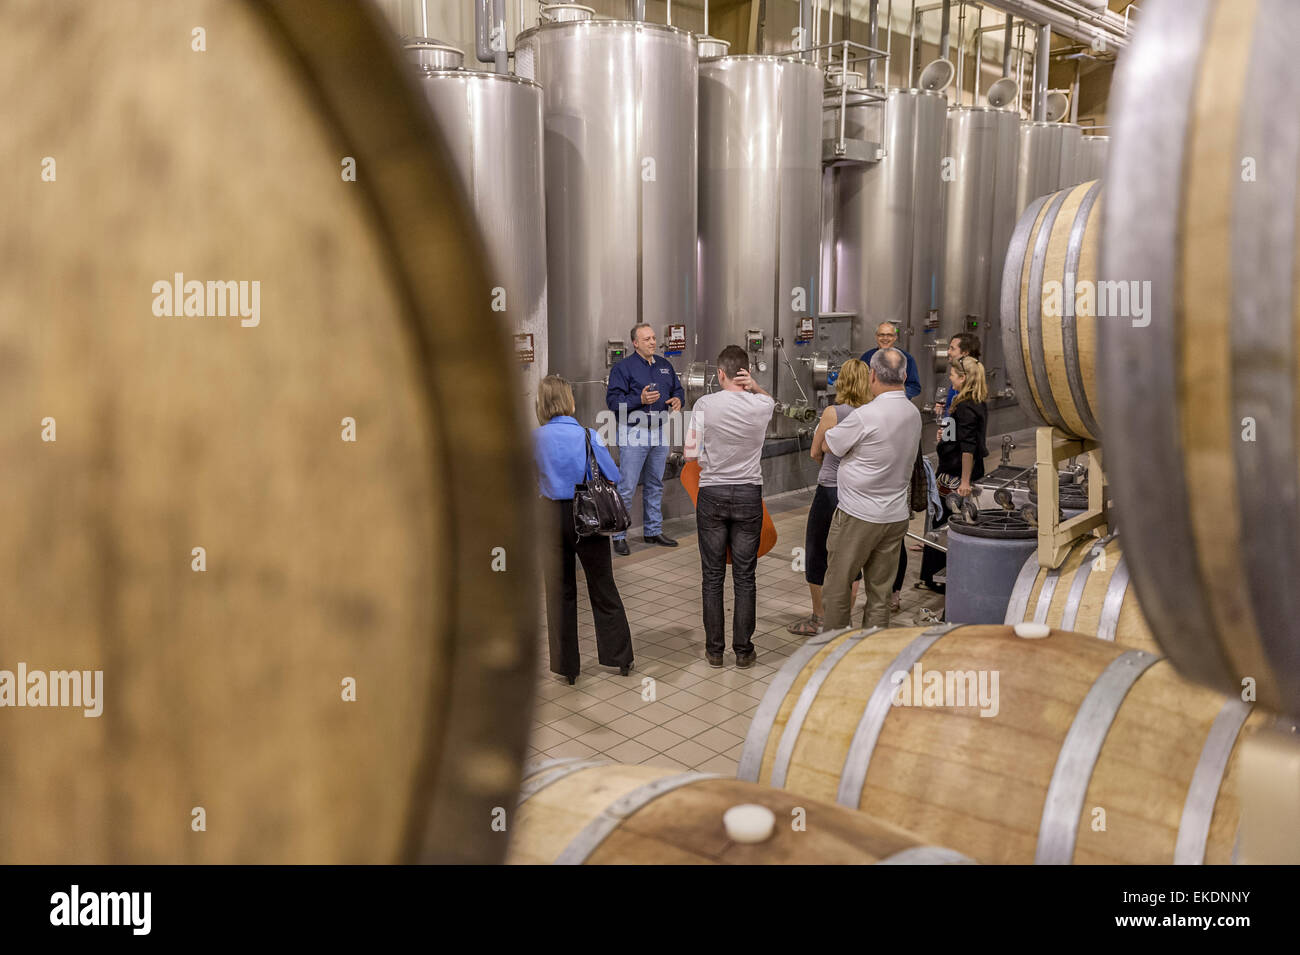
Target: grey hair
(890,366)
(631,336)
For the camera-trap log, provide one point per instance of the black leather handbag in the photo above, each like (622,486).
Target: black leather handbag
(597,506)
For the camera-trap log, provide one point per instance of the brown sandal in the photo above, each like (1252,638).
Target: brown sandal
(809,626)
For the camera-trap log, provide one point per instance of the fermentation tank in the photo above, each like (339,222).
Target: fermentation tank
(759,229)
(978,218)
(1092,157)
(884,248)
(1004,223)
(1038,171)
(619,110)
(492,123)
(1071,154)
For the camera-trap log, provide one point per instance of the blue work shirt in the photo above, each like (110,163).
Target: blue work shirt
(561,456)
(631,375)
(913,386)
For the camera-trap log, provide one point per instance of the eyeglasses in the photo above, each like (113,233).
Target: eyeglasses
(885,335)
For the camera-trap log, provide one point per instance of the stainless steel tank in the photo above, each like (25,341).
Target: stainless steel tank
(760,195)
(1093,151)
(619,109)
(1006,170)
(968,206)
(1039,168)
(1071,148)
(886,221)
(492,123)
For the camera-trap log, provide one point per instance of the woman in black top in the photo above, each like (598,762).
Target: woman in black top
(962,452)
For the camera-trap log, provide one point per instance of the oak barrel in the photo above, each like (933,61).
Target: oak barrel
(187,512)
(1200,391)
(1049,334)
(577,811)
(1089,593)
(1081,733)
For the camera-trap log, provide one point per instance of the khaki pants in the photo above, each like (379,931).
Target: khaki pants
(856,545)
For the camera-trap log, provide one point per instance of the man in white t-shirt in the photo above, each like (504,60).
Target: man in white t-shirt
(877,446)
(726,435)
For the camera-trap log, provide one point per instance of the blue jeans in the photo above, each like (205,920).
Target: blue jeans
(643,463)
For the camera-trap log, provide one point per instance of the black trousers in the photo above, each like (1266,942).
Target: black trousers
(902,566)
(730,516)
(613,636)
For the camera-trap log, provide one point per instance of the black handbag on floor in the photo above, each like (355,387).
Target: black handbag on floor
(597,506)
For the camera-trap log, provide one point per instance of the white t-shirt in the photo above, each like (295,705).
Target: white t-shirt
(877,447)
(727,428)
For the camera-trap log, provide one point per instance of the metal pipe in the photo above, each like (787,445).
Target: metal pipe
(1020,71)
(926,542)
(670,12)
(889,39)
(1042,51)
(805,21)
(1006,48)
(502,58)
(482,32)
(911,48)
(1075,26)
(1074,93)
(979,55)
(961,49)
(706,17)
(873,11)
(945,27)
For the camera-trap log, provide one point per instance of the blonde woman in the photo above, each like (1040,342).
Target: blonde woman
(852,390)
(560,448)
(962,452)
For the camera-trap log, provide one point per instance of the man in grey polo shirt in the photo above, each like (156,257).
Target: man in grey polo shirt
(726,434)
(877,447)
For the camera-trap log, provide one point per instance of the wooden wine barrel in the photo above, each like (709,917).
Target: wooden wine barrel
(339,675)
(1200,390)
(575,812)
(1089,593)
(1049,340)
(1081,733)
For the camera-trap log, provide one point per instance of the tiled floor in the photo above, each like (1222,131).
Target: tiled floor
(673,709)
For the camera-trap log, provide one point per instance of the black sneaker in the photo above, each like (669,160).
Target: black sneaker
(621,548)
(661,539)
(745,658)
(715,659)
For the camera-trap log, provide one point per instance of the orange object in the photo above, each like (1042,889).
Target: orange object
(691,481)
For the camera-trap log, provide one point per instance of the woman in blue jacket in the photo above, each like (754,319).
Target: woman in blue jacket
(561,453)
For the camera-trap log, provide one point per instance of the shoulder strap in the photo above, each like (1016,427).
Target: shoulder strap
(593,469)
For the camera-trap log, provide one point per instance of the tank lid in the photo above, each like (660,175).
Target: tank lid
(434,55)
(566,12)
(837,77)
(711,46)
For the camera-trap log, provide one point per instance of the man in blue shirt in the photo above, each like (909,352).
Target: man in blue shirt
(642,387)
(886,336)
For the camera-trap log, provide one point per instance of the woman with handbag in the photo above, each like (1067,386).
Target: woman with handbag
(961,454)
(565,452)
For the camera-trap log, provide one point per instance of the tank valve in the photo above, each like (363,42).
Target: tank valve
(799,411)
